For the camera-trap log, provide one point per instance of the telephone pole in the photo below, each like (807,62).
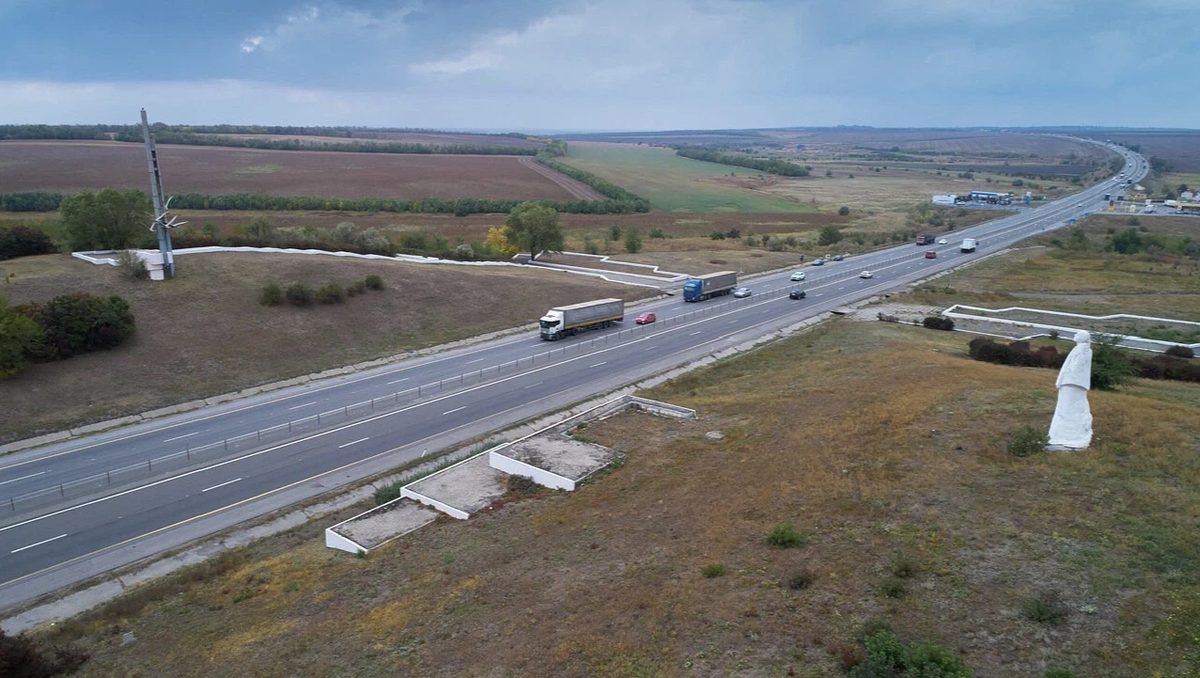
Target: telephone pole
(161,225)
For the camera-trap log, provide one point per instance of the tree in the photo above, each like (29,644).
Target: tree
(1127,242)
(498,242)
(633,241)
(534,227)
(828,235)
(614,233)
(844,210)
(20,338)
(1110,367)
(109,220)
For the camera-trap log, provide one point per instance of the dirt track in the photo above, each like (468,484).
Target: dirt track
(576,188)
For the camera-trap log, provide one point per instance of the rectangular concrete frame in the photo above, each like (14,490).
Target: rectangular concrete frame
(341,537)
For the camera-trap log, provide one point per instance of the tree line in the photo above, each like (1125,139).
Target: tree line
(49,202)
(66,325)
(193,139)
(769,165)
(631,201)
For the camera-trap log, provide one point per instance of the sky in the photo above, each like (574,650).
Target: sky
(575,65)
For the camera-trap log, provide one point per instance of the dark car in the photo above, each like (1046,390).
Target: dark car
(797,294)
(818,262)
(837,257)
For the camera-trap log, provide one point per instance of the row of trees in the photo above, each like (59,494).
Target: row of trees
(30,202)
(193,139)
(769,165)
(23,241)
(631,201)
(63,327)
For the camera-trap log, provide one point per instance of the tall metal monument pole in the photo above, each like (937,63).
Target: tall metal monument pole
(160,208)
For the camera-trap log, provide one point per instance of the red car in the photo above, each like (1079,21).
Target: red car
(646,318)
(931,254)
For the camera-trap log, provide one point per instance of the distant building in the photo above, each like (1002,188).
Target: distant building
(1187,196)
(945,200)
(1189,207)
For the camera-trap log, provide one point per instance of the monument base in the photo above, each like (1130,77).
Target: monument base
(1063,448)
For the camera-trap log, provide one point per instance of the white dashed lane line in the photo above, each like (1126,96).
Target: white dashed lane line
(227,482)
(44,541)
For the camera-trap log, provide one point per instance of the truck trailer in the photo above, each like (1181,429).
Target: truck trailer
(563,321)
(969,245)
(702,287)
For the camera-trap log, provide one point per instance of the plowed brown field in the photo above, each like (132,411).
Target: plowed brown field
(66,166)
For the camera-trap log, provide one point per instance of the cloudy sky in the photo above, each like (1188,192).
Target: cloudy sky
(603,64)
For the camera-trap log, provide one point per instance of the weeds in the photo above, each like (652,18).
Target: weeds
(374,282)
(892,588)
(132,266)
(712,571)
(1044,608)
(902,566)
(785,536)
(801,579)
(579,437)
(1027,441)
(271,295)
(522,485)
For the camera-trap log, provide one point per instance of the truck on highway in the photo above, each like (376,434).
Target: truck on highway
(702,287)
(969,245)
(925,239)
(563,321)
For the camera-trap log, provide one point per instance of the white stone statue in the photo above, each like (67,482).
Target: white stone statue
(1071,428)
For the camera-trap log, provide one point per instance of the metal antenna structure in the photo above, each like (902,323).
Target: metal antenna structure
(162,224)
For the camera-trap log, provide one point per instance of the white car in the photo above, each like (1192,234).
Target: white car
(741,292)
(942,241)
(797,276)
(866,274)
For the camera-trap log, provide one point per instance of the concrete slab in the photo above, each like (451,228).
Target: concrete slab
(560,455)
(381,525)
(469,486)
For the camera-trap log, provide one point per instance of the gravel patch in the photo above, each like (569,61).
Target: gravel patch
(562,456)
(470,486)
(387,522)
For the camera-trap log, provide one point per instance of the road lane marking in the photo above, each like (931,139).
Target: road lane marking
(34,475)
(650,348)
(44,541)
(598,364)
(227,482)
(457,409)
(695,333)
(186,435)
(532,385)
(304,405)
(354,442)
(476,361)
(397,381)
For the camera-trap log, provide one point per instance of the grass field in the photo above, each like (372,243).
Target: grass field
(675,184)
(205,333)
(1089,282)
(884,446)
(68,166)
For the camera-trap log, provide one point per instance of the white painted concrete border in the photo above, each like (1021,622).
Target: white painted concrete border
(519,468)
(1125,340)
(334,540)
(430,501)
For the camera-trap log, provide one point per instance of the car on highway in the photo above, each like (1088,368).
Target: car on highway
(866,274)
(797,276)
(837,257)
(942,241)
(742,292)
(818,262)
(797,294)
(931,254)
(646,318)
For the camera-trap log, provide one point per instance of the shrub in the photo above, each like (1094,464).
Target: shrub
(717,235)
(522,484)
(785,536)
(903,566)
(1181,352)
(23,241)
(23,656)
(132,266)
(828,235)
(712,571)
(614,233)
(886,656)
(844,210)
(374,282)
(932,660)
(464,251)
(22,339)
(937,322)
(801,579)
(633,241)
(1044,608)
(1027,441)
(733,234)
(271,295)
(329,293)
(590,246)
(299,294)
(1110,367)
(657,233)
(79,323)
(892,588)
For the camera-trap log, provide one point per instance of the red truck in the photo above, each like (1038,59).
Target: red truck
(925,239)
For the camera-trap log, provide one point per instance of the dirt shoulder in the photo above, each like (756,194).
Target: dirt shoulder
(883,444)
(205,333)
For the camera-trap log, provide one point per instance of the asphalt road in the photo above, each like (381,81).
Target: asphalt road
(77,509)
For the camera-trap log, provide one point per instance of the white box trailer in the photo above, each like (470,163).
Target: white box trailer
(969,245)
(563,321)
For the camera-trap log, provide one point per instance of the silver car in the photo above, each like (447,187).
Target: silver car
(741,292)
(797,276)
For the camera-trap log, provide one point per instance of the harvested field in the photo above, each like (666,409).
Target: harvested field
(884,446)
(67,166)
(1181,148)
(205,333)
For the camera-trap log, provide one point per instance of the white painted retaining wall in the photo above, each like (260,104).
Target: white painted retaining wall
(519,468)
(1126,340)
(334,540)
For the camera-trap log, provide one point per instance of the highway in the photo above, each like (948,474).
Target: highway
(73,510)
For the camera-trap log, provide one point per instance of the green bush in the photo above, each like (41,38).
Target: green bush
(902,566)
(785,536)
(932,660)
(23,241)
(886,657)
(717,235)
(937,322)
(844,210)
(1044,608)
(522,485)
(299,294)
(892,588)
(801,579)
(1027,441)
(132,266)
(633,241)
(374,282)
(657,233)
(712,571)
(80,323)
(330,293)
(1111,368)
(22,339)
(271,295)
(24,657)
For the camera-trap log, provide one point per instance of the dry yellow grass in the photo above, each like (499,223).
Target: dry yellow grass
(873,439)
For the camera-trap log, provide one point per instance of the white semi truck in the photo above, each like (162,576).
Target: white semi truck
(563,321)
(969,245)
